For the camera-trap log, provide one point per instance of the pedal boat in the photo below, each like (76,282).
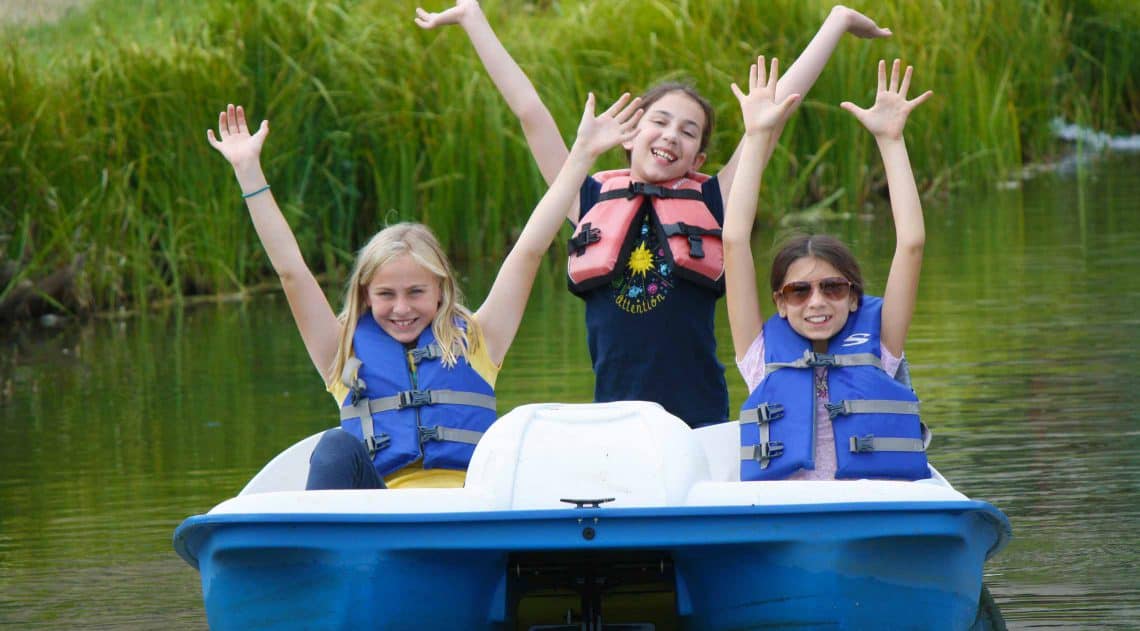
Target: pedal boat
(594,516)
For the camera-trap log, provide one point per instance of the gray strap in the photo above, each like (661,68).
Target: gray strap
(871,406)
(762,415)
(416,398)
(359,405)
(348,374)
(451,434)
(871,443)
(811,360)
(764,412)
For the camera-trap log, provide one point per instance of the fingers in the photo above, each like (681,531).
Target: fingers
(851,107)
(906,81)
(920,99)
(740,96)
(774,74)
(756,73)
(613,109)
(590,103)
(894,87)
(882,75)
(630,109)
(242,126)
(211,139)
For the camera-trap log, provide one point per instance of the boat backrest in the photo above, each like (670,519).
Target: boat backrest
(632,451)
(287,472)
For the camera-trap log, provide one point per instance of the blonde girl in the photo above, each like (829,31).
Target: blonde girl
(413,369)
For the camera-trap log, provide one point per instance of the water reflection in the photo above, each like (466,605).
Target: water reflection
(1021,349)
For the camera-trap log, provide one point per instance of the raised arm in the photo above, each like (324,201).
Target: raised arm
(502,311)
(539,127)
(311,310)
(762,117)
(802,74)
(886,120)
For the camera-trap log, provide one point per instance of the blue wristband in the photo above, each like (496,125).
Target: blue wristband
(258,191)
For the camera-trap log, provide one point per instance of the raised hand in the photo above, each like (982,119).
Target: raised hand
(598,134)
(454,15)
(887,117)
(237,145)
(760,110)
(860,25)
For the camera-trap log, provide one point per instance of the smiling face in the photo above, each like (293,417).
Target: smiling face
(403,297)
(668,145)
(818,318)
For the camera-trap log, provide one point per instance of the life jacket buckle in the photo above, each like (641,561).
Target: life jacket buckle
(429,433)
(642,188)
(768,412)
(377,442)
(863,444)
(415,398)
(587,236)
(431,351)
(837,409)
(821,359)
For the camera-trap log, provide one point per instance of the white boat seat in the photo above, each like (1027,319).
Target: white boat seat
(632,451)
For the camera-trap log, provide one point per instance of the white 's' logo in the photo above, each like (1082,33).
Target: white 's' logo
(855,339)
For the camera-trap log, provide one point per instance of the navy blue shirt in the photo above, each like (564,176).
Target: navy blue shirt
(651,334)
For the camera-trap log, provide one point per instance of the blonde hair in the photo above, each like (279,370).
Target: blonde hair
(453,322)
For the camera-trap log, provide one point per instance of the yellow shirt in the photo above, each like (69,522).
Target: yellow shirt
(414,476)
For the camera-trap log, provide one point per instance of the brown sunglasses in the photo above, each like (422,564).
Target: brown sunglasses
(797,292)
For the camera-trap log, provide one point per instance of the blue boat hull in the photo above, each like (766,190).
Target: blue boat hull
(902,565)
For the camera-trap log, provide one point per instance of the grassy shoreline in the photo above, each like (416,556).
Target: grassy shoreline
(109,191)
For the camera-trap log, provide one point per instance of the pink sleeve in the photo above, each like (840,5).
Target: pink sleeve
(751,366)
(890,362)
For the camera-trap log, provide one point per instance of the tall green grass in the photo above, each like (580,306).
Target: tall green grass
(103,156)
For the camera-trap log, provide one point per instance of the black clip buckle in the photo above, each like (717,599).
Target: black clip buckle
(588,235)
(836,409)
(863,444)
(415,398)
(431,351)
(428,433)
(376,443)
(641,188)
(768,412)
(696,247)
(765,451)
(821,359)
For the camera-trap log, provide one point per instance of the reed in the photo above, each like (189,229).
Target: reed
(103,158)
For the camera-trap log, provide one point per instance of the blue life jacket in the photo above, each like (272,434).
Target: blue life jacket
(874,417)
(405,404)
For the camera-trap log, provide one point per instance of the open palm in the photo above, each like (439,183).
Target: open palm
(600,133)
(429,20)
(887,117)
(234,141)
(760,110)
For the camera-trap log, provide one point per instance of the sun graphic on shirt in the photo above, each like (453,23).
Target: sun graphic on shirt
(640,260)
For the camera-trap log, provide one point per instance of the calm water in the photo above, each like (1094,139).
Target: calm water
(1023,349)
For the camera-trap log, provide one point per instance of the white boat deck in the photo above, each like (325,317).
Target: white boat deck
(539,454)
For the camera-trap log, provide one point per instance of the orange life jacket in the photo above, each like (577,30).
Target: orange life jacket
(678,215)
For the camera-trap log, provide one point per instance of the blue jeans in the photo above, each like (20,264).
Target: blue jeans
(339,461)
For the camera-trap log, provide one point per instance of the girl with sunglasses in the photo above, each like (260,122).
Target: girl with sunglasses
(824,402)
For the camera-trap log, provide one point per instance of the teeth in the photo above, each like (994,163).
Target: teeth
(664,155)
(816,319)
